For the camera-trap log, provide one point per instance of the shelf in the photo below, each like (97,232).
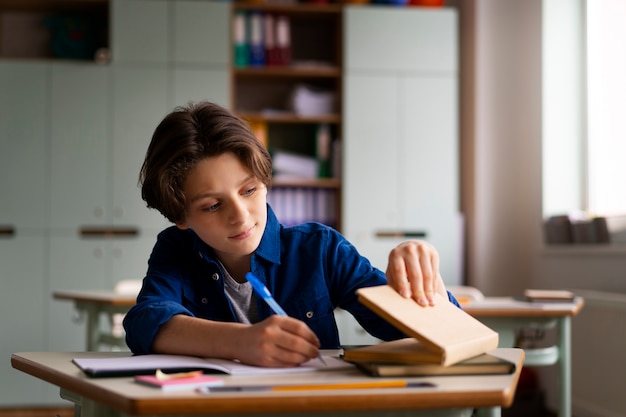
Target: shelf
(272,98)
(331,183)
(51,5)
(48,29)
(292,9)
(288,117)
(292,71)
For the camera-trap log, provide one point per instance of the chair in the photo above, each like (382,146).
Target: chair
(116,338)
(525,337)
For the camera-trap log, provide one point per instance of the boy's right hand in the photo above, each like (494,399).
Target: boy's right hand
(278,341)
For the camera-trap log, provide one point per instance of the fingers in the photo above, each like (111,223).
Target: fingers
(284,341)
(413,271)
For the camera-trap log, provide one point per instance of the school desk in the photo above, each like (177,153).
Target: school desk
(120,396)
(93,304)
(506,315)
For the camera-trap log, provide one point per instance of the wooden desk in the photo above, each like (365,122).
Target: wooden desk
(506,314)
(112,397)
(93,303)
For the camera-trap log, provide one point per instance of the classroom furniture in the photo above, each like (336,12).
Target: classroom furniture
(401,99)
(451,395)
(93,305)
(507,315)
(76,219)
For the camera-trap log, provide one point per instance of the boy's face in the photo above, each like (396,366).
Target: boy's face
(226,206)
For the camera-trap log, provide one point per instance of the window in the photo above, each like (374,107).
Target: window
(584,133)
(606,109)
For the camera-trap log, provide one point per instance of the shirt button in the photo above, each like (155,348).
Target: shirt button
(215,276)
(205,300)
(309,314)
(200,254)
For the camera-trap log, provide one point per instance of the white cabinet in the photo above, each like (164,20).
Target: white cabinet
(193,84)
(23,295)
(201,52)
(201,33)
(24,191)
(89,263)
(80,150)
(139,31)
(139,103)
(23,126)
(401,146)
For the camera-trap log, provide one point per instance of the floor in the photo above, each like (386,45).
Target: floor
(37,412)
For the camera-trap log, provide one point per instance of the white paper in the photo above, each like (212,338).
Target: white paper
(141,363)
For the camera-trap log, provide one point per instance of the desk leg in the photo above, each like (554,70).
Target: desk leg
(565,363)
(84,407)
(489,412)
(93,327)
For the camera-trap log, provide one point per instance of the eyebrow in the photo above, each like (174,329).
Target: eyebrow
(210,194)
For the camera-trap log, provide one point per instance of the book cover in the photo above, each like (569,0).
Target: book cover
(176,383)
(484,364)
(240,40)
(549,295)
(449,334)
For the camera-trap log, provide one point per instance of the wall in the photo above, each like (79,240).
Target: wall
(501,134)
(501,141)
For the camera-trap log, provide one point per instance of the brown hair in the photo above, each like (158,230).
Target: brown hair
(186,136)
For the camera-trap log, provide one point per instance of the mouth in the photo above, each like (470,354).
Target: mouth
(243,235)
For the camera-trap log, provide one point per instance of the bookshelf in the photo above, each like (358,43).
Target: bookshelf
(40,29)
(277,97)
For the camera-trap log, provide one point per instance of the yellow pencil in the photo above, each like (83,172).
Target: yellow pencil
(343,385)
(321,386)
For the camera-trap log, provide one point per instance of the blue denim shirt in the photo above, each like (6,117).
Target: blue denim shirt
(310,269)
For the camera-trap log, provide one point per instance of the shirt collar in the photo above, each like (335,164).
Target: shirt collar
(269,248)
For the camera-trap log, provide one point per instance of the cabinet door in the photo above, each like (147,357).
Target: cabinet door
(139,31)
(23,140)
(75,264)
(80,156)
(401,133)
(401,39)
(201,33)
(129,256)
(430,146)
(372,196)
(139,104)
(23,295)
(430,155)
(194,84)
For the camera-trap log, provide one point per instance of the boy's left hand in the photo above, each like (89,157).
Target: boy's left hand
(413,271)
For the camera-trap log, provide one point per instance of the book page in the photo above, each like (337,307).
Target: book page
(146,364)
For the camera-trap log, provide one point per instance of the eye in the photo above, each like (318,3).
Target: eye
(212,208)
(250,191)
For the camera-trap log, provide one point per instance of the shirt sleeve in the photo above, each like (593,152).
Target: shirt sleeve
(159,298)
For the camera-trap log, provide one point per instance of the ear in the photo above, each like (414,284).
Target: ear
(182,226)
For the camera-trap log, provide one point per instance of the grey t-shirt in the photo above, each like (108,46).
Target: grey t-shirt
(241,298)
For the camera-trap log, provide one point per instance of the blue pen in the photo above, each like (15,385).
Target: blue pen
(269,299)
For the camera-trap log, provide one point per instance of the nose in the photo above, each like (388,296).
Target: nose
(239,210)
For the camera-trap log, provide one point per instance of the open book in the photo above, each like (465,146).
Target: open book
(443,334)
(148,364)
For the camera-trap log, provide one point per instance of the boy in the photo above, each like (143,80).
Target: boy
(206,172)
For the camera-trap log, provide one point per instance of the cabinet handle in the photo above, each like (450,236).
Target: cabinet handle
(401,234)
(108,231)
(7,231)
